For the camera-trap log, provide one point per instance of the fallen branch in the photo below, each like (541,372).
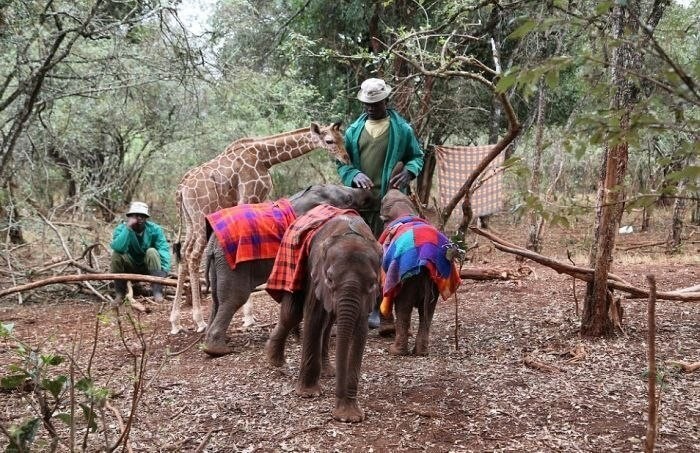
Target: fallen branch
(685,366)
(87,277)
(540,366)
(641,246)
(583,273)
(494,273)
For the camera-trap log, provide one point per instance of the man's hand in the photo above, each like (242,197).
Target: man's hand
(131,221)
(401,179)
(362,180)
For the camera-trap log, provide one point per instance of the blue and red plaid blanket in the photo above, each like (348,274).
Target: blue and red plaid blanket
(251,231)
(289,271)
(411,244)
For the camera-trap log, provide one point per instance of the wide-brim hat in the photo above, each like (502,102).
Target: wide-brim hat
(373,90)
(138,207)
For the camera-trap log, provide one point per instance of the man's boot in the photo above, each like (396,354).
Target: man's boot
(119,292)
(157,288)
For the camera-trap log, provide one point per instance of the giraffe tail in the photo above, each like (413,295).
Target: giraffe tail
(177,246)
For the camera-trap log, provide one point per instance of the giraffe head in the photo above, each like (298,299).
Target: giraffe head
(331,139)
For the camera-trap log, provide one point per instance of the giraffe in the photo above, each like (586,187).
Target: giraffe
(239,175)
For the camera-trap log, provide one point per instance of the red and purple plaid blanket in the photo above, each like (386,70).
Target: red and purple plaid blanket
(411,244)
(289,271)
(251,231)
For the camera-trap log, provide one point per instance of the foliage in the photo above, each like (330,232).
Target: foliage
(58,391)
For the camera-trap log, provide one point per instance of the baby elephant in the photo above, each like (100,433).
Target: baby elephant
(416,270)
(239,256)
(341,283)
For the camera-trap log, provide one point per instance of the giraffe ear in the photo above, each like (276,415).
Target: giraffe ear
(315,128)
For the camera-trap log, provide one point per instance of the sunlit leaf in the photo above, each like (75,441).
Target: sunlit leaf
(23,435)
(55,386)
(603,7)
(522,30)
(13,381)
(6,329)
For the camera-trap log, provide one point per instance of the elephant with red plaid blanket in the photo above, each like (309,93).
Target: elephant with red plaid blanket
(240,253)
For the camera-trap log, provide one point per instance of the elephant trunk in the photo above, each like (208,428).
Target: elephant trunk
(351,335)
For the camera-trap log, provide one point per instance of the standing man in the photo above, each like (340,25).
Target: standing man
(139,247)
(378,140)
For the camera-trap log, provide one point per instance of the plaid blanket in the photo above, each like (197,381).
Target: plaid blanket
(289,271)
(411,244)
(251,231)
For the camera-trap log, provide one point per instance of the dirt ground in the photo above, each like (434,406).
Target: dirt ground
(475,392)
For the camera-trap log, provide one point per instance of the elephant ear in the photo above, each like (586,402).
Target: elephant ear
(320,283)
(326,295)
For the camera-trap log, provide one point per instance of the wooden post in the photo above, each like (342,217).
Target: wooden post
(651,355)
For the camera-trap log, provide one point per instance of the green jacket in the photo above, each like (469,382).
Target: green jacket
(403,147)
(125,241)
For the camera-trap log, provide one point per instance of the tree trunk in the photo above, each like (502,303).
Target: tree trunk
(673,243)
(425,179)
(695,217)
(534,227)
(597,318)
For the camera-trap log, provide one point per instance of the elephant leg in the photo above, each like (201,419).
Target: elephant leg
(230,290)
(315,322)
(347,409)
(327,368)
(291,313)
(427,299)
(403,306)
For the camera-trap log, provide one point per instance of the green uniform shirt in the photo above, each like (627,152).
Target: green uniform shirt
(372,156)
(126,241)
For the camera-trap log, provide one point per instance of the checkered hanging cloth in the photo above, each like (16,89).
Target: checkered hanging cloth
(456,163)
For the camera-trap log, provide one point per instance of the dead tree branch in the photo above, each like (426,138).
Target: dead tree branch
(87,277)
(582,273)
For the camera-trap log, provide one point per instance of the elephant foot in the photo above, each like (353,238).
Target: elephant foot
(348,411)
(308,392)
(217,349)
(395,349)
(274,351)
(421,349)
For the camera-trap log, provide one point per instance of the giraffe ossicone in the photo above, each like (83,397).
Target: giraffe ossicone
(238,175)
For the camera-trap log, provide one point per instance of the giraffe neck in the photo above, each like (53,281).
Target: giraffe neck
(283,147)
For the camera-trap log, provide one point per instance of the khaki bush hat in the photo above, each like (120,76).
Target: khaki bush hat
(138,207)
(373,90)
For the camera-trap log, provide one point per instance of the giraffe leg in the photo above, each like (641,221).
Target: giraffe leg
(175,310)
(194,264)
(182,269)
(248,317)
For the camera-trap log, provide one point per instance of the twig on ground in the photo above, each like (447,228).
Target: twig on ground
(120,421)
(305,430)
(204,442)
(685,366)
(540,366)
(187,348)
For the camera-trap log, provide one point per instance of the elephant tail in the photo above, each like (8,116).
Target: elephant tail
(208,260)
